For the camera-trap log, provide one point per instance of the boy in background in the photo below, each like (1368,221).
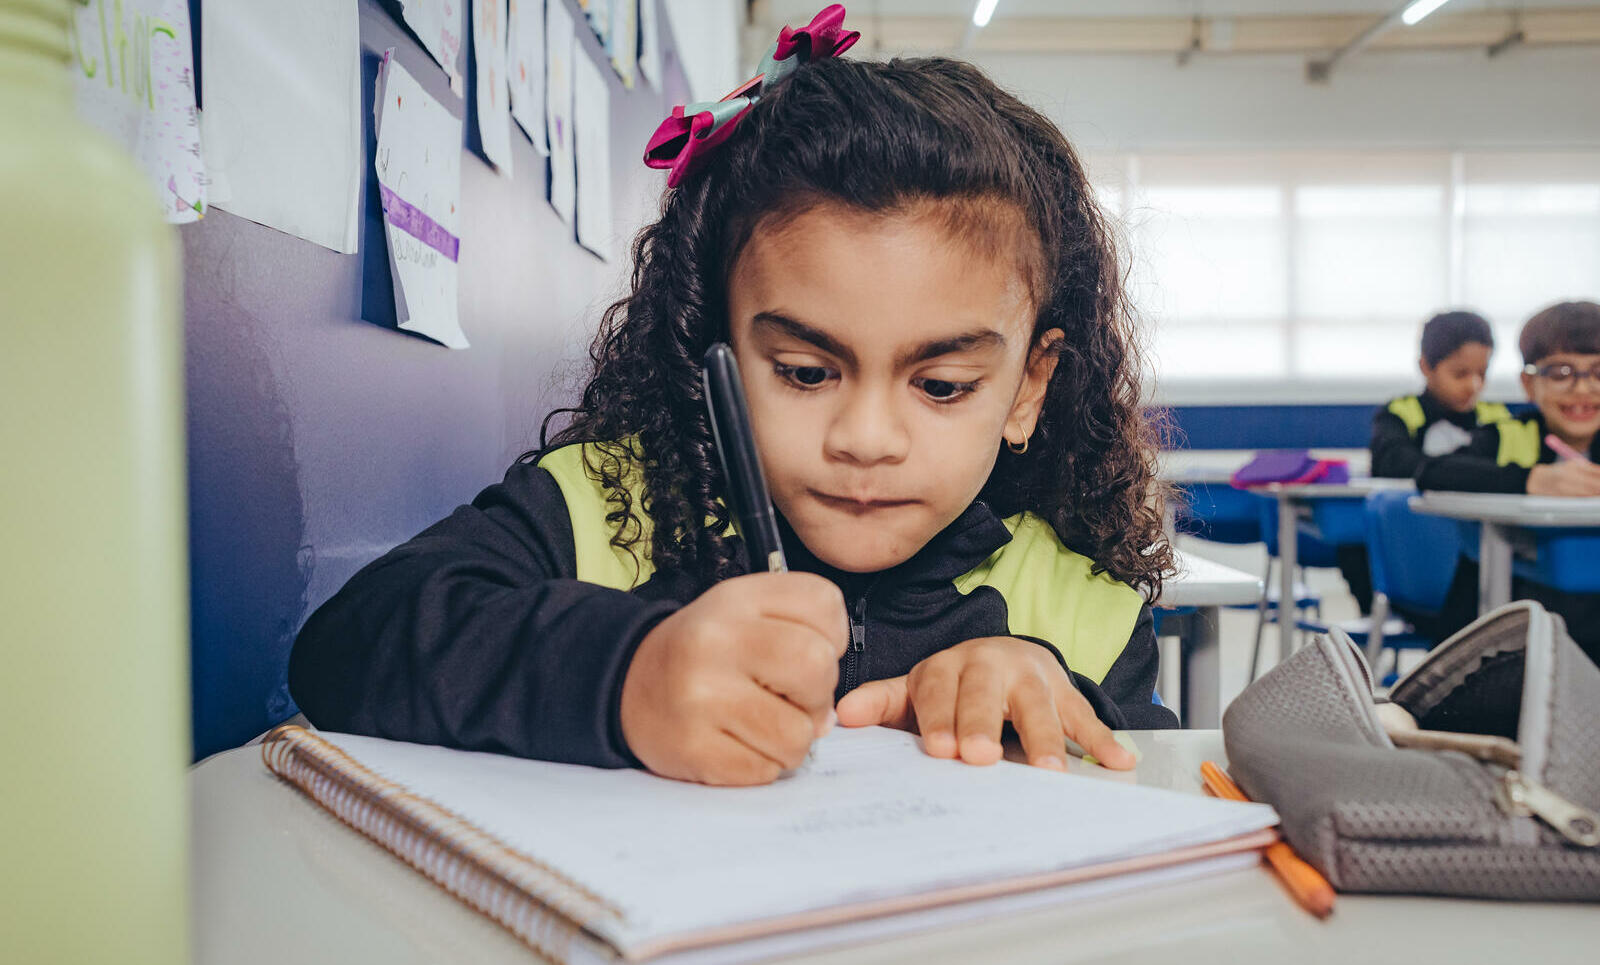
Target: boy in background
(1456,347)
(1561,374)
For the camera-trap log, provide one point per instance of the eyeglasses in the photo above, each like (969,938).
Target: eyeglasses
(1563,376)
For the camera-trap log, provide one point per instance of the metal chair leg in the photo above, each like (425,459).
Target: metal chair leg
(1261,620)
(1380,616)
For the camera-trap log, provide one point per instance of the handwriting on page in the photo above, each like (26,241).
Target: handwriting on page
(437,24)
(133,78)
(418,163)
(870,816)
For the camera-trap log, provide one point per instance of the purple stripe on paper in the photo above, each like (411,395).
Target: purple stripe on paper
(410,219)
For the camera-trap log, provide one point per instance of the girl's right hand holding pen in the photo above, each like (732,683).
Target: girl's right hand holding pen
(734,687)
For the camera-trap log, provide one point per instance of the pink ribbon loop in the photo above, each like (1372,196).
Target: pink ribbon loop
(687,136)
(824,36)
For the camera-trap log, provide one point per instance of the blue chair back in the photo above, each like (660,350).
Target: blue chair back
(1413,557)
(1219,512)
(1309,551)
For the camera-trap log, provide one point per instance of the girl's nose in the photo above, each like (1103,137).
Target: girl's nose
(867,429)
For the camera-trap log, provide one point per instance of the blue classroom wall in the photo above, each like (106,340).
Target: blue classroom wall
(1272,426)
(318,440)
(1279,426)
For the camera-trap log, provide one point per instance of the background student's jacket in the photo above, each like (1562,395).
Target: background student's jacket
(1497,460)
(1399,428)
(509,626)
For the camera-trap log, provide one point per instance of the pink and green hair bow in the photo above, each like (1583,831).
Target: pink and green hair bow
(692,131)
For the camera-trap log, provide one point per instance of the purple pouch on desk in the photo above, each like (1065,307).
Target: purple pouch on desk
(1289,466)
(1275,466)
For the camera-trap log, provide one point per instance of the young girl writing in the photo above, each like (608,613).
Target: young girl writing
(943,384)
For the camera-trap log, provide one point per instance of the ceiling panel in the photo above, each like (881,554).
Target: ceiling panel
(800,11)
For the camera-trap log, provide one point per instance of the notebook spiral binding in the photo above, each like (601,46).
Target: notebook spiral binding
(544,908)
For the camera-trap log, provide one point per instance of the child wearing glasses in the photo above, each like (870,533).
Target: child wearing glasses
(1550,452)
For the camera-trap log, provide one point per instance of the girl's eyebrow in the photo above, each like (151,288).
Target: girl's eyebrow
(805,333)
(974,340)
(965,342)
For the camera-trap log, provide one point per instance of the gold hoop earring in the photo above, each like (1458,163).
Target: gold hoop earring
(1016,449)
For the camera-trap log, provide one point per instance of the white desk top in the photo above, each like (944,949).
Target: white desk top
(1357,488)
(1511,510)
(278,880)
(1203,582)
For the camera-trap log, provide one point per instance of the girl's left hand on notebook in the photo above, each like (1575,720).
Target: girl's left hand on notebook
(960,699)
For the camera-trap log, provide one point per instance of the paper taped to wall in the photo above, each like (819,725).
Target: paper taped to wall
(560,46)
(133,78)
(437,23)
(282,119)
(419,177)
(525,49)
(591,110)
(494,97)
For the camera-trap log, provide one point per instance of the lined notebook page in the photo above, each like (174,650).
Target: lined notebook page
(870,817)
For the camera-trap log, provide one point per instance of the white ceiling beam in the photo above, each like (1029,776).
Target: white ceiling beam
(1309,35)
(1318,71)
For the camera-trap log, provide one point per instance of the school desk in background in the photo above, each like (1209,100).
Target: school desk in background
(1553,540)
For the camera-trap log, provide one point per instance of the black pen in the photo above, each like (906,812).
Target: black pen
(736,445)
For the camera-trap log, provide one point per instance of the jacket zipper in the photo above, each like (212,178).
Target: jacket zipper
(858,641)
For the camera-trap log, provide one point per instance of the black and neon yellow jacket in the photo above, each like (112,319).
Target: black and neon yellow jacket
(1401,428)
(1496,461)
(509,626)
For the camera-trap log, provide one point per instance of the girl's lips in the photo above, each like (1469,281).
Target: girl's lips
(852,504)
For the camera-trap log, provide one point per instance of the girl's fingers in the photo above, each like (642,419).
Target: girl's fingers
(737,764)
(793,661)
(980,712)
(934,683)
(770,726)
(878,702)
(1038,724)
(1081,724)
(804,598)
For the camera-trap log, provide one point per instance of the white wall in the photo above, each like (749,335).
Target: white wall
(1530,98)
(1526,100)
(707,34)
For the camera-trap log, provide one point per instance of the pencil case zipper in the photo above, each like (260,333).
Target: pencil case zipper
(1515,794)
(1517,789)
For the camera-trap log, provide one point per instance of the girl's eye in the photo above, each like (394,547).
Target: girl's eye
(944,390)
(802,376)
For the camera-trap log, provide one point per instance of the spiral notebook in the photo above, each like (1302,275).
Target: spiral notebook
(870,838)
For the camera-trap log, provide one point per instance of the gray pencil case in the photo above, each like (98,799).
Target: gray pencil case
(1482,779)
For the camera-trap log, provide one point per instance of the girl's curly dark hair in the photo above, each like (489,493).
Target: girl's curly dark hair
(878,137)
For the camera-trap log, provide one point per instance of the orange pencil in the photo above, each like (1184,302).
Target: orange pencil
(1304,882)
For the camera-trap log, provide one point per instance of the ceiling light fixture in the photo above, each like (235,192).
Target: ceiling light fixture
(1420,9)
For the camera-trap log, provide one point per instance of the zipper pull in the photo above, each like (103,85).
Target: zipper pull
(858,626)
(1520,797)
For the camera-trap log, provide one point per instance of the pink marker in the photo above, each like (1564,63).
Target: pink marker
(1563,450)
